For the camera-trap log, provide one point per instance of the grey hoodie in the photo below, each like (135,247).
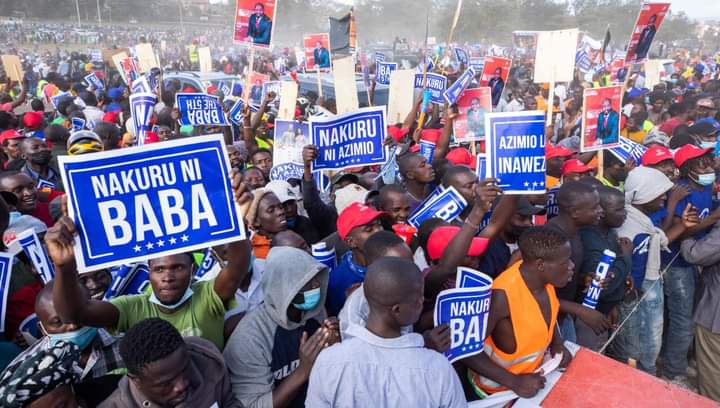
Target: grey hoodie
(264,348)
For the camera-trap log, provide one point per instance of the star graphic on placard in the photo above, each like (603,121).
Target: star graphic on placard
(464,348)
(541,183)
(137,248)
(184,238)
(160,243)
(526,184)
(173,240)
(150,245)
(535,184)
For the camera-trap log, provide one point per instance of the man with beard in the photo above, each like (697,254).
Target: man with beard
(614,171)
(37,157)
(259,26)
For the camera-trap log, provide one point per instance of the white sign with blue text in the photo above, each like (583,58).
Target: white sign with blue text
(458,87)
(350,140)
(461,56)
(36,252)
(466,310)
(135,204)
(200,110)
(436,83)
(6,263)
(93,80)
(628,149)
(516,151)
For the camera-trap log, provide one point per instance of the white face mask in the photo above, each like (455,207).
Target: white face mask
(188,293)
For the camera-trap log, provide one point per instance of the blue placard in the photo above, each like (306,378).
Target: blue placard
(141,85)
(225,89)
(379,57)
(94,81)
(206,266)
(427,150)
(37,254)
(627,149)
(461,56)
(56,99)
(477,64)
(286,171)
(350,140)
(470,278)
(481,167)
(384,70)
(141,109)
(139,203)
(200,110)
(466,311)
(30,325)
(516,151)
(447,205)
(552,206)
(436,83)
(6,262)
(77,124)
(452,94)
(43,184)
(271,86)
(582,61)
(235,114)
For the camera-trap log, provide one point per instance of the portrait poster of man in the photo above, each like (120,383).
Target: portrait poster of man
(494,75)
(601,118)
(254,22)
(317,51)
(473,105)
(646,27)
(256,87)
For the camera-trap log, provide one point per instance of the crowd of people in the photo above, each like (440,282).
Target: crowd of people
(274,327)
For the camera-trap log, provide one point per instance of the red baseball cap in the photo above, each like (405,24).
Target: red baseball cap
(461,155)
(431,135)
(557,151)
(441,237)
(689,151)
(397,133)
(355,215)
(32,120)
(575,166)
(10,134)
(655,155)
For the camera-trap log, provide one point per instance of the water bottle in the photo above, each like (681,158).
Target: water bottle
(593,293)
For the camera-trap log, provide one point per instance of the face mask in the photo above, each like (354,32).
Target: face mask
(81,337)
(188,293)
(706,179)
(312,298)
(41,158)
(14,215)
(708,145)
(673,81)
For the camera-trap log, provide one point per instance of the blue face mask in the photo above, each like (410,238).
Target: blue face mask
(708,145)
(188,293)
(81,337)
(312,298)
(706,179)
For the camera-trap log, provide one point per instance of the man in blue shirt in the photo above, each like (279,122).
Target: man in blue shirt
(698,176)
(260,26)
(321,56)
(355,225)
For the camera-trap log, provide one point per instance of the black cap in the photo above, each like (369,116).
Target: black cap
(702,129)
(525,208)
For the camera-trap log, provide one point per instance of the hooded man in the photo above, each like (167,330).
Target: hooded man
(273,349)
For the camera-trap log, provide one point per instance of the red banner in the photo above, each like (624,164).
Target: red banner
(254,22)
(647,24)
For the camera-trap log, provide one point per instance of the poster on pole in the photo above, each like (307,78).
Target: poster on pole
(146,57)
(290,138)
(646,26)
(495,73)
(555,56)
(255,22)
(205,59)
(317,52)
(346,93)
(257,81)
(516,151)
(601,118)
(400,95)
(473,105)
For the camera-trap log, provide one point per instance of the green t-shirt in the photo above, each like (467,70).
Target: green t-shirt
(203,315)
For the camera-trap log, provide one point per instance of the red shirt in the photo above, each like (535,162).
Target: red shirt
(20,306)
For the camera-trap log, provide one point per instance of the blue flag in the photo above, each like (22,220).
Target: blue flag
(447,206)
(383,71)
(235,114)
(552,205)
(138,203)
(350,140)
(6,263)
(94,81)
(436,83)
(461,56)
(37,254)
(516,151)
(452,94)
(466,311)
(200,110)
(141,110)
(209,267)
(77,124)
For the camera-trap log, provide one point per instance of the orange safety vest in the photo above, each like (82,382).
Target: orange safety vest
(532,335)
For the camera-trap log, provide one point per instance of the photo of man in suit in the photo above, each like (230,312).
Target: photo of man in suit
(256,92)
(607,124)
(496,85)
(259,26)
(321,55)
(476,118)
(646,38)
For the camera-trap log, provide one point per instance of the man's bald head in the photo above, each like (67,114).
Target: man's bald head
(408,162)
(289,238)
(394,289)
